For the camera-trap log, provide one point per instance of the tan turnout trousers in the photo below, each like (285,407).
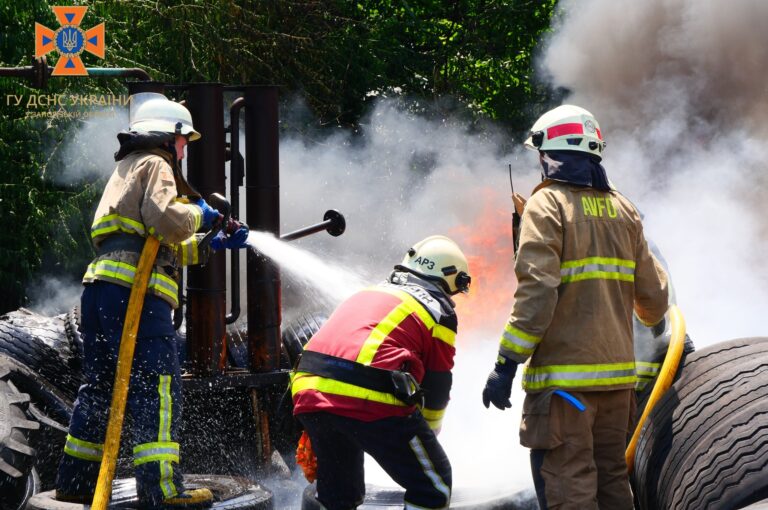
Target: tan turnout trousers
(583,465)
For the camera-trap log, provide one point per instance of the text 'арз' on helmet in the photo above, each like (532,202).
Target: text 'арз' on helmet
(439,259)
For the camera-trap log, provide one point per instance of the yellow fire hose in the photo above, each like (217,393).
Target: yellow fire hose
(123,374)
(664,380)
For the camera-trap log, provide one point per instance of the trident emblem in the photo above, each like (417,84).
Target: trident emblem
(69,40)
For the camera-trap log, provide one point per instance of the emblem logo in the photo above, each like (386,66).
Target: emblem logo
(589,126)
(69,40)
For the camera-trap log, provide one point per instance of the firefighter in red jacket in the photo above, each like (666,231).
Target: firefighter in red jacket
(376,379)
(583,266)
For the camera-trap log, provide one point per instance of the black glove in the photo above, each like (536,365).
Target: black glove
(498,388)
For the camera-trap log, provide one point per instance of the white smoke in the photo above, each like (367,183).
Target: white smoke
(674,86)
(88,151)
(51,296)
(403,178)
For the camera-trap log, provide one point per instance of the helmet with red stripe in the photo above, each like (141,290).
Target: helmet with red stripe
(567,128)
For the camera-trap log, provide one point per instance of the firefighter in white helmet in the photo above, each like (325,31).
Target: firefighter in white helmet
(145,196)
(583,265)
(376,378)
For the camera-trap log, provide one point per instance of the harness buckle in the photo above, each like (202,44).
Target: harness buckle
(406,388)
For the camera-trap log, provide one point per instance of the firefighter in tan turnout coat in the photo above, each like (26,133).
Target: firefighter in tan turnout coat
(583,267)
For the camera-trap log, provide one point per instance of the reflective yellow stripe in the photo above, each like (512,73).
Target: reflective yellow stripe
(518,341)
(157,451)
(444,334)
(409,305)
(166,478)
(647,369)
(434,417)
(575,376)
(166,408)
(126,272)
(302,381)
(382,331)
(115,222)
(84,450)
(590,268)
(188,251)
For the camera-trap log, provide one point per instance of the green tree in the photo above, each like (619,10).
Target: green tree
(469,56)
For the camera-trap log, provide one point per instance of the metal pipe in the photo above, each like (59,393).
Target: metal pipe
(39,72)
(236,174)
(334,223)
(263,214)
(206,286)
(119,72)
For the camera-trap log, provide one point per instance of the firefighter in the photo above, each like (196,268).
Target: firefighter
(376,379)
(583,266)
(146,195)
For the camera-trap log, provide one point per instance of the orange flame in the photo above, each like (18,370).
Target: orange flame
(487,242)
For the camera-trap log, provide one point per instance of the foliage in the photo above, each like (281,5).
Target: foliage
(470,56)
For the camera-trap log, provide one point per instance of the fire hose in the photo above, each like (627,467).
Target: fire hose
(123,373)
(663,381)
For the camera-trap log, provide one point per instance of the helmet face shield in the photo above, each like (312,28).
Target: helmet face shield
(440,259)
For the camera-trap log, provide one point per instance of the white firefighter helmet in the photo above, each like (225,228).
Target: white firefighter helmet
(440,259)
(567,128)
(158,113)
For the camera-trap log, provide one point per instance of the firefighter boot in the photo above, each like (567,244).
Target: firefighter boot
(190,498)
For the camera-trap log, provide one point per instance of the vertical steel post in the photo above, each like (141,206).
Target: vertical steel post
(206,286)
(262,188)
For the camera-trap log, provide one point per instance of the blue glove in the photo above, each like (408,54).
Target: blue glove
(210,215)
(236,241)
(498,388)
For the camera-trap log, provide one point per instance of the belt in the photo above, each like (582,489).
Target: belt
(130,242)
(399,383)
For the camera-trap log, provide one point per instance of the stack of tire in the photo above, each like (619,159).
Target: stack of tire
(39,376)
(705,444)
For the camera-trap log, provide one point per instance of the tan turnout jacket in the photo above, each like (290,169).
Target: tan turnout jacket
(583,264)
(141,199)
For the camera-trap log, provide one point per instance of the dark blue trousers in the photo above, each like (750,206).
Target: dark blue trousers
(154,396)
(405,447)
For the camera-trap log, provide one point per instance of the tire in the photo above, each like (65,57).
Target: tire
(41,344)
(705,444)
(285,430)
(16,456)
(51,409)
(392,498)
(297,333)
(230,493)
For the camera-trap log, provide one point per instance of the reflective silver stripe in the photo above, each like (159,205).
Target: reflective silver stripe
(166,403)
(151,452)
(115,222)
(166,479)
(126,272)
(83,449)
(645,369)
(189,253)
(429,470)
(589,268)
(518,343)
(608,374)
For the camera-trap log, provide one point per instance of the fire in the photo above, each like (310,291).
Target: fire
(487,242)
